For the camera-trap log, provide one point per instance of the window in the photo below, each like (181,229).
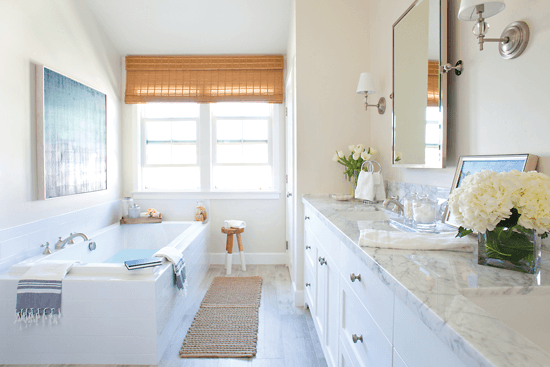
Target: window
(207,147)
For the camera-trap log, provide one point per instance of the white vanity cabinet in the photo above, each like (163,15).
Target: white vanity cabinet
(359,320)
(322,284)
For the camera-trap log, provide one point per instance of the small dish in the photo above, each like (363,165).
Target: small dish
(342,197)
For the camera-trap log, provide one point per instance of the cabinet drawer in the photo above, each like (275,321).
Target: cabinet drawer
(310,293)
(417,344)
(373,294)
(324,235)
(374,349)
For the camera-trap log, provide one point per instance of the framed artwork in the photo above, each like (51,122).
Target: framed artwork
(71,136)
(468,165)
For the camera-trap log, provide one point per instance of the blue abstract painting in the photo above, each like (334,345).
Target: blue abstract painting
(475,166)
(75,137)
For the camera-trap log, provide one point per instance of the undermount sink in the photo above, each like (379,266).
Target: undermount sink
(524,312)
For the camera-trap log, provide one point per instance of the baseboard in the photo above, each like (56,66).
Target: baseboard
(298,296)
(258,258)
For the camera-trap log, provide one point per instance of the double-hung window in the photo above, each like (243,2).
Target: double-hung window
(242,156)
(207,147)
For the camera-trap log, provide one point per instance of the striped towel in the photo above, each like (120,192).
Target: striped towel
(178,264)
(39,292)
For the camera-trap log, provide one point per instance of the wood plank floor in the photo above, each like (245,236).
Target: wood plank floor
(286,336)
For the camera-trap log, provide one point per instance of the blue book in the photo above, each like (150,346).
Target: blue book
(143,263)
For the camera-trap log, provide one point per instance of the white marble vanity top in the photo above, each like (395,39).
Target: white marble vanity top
(435,286)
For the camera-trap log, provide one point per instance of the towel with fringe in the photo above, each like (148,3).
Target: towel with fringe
(39,292)
(178,264)
(229,223)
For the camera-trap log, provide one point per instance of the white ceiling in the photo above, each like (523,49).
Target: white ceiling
(179,27)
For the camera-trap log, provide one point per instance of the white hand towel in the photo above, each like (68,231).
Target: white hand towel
(39,291)
(365,186)
(178,264)
(380,186)
(234,224)
(415,241)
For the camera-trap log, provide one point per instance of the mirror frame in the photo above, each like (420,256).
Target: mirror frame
(443,91)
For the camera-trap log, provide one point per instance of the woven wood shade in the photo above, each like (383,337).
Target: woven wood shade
(204,79)
(433,83)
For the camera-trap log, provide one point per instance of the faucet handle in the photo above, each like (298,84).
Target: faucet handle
(47,250)
(71,242)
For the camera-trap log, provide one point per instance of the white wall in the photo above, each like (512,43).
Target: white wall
(63,35)
(332,49)
(496,106)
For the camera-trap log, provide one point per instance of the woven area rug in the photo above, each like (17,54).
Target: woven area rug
(226,325)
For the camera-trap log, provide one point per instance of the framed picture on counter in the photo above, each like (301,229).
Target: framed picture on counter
(468,165)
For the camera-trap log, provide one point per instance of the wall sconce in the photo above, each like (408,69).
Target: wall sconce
(366,87)
(514,38)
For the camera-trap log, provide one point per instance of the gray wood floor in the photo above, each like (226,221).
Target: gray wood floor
(286,336)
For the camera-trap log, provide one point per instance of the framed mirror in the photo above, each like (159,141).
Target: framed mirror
(419,121)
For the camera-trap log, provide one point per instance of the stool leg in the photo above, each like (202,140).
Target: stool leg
(241,251)
(229,255)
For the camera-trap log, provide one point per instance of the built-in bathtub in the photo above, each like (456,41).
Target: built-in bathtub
(109,315)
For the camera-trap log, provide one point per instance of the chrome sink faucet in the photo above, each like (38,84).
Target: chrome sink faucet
(61,243)
(397,206)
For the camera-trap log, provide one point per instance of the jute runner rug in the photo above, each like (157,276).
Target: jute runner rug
(226,325)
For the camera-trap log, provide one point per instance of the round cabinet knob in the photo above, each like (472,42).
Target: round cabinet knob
(308,247)
(322,260)
(306,218)
(357,338)
(354,277)
(308,284)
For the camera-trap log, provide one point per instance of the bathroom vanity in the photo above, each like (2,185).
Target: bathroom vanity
(404,308)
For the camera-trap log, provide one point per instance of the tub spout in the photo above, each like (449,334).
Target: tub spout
(61,243)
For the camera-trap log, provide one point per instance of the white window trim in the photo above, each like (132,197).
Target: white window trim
(205,151)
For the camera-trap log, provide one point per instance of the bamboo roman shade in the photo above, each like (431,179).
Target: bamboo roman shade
(204,79)
(433,83)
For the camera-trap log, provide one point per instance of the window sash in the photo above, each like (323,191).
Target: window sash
(144,141)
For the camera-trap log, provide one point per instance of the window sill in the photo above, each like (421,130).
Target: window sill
(212,195)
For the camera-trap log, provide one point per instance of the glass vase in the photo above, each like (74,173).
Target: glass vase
(353,183)
(514,249)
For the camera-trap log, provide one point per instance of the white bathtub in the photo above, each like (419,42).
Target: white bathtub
(110,315)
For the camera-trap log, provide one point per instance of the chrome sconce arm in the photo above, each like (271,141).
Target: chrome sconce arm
(381,106)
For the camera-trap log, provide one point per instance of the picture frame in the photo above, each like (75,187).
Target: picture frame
(71,136)
(468,165)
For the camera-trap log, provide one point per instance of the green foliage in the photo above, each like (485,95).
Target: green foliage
(463,232)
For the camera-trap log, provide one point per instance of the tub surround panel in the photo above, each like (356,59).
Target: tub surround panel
(21,242)
(428,283)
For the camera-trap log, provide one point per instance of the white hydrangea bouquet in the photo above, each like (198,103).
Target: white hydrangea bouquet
(352,163)
(508,210)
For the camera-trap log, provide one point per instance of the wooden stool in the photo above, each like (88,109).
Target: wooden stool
(229,247)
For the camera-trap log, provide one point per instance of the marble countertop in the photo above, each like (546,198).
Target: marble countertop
(432,283)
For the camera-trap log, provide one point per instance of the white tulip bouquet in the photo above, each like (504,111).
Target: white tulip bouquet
(506,208)
(352,163)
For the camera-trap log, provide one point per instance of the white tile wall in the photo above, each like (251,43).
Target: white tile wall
(21,242)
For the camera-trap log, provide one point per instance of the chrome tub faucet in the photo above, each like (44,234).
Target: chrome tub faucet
(61,243)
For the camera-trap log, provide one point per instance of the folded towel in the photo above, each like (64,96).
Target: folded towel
(178,264)
(234,224)
(39,291)
(415,241)
(365,186)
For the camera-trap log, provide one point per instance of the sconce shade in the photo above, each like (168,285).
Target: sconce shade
(366,85)
(467,9)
